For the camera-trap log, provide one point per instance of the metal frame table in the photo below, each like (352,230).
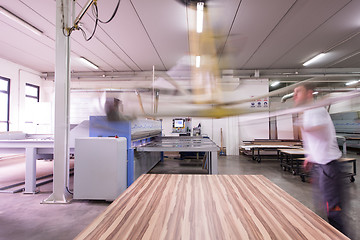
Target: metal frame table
(345,139)
(33,149)
(185,144)
(291,156)
(258,148)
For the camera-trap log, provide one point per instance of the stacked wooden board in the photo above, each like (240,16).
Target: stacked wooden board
(207,207)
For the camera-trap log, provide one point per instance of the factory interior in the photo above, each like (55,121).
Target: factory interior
(174,119)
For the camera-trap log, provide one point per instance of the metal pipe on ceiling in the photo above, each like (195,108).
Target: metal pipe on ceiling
(290,95)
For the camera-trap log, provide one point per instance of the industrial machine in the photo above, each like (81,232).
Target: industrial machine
(347,126)
(137,132)
(100,168)
(182,126)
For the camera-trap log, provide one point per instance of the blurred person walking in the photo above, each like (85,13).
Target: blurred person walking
(322,153)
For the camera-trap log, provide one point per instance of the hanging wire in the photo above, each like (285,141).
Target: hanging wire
(114,13)
(95,12)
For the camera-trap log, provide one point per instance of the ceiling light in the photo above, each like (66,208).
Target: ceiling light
(275,83)
(20,21)
(314,59)
(314,93)
(88,63)
(352,82)
(199,17)
(197,61)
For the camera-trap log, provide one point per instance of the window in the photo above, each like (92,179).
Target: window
(31,105)
(4,103)
(31,93)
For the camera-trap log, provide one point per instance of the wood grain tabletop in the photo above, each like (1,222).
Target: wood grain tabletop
(164,206)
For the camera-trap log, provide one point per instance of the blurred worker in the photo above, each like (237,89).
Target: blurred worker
(322,151)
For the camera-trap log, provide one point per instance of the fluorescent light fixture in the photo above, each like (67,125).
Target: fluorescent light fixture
(352,82)
(314,59)
(20,21)
(197,61)
(199,16)
(88,63)
(275,83)
(314,93)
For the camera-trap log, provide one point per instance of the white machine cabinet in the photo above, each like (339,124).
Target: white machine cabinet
(100,168)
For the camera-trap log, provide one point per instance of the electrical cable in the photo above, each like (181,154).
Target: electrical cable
(95,11)
(70,31)
(71,172)
(114,13)
(68,190)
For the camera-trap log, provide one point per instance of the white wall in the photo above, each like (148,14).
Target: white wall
(19,76)
(285,129)
(250,129)
(234,129)
(284,123)
(350,105)
(84,104)
(209,127)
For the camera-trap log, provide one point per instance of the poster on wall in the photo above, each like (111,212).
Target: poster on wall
(260,103)
(252,103)
(265,103)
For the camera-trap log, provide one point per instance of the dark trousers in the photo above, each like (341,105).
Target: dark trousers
(328,181)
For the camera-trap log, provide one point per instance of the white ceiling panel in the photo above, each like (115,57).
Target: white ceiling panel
(343,51)
(97,52)
(114,54)
(128,32)
(21,57)
(248,34)
(253,24)
(349,62)
(38,49)
(167,28)
(221,26)
(336,31)
(301,20)
(42,12)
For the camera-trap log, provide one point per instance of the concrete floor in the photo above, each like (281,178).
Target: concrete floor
(23,217)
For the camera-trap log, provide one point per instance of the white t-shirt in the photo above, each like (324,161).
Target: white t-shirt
(320,145)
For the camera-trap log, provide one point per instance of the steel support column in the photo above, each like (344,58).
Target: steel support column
(62,77)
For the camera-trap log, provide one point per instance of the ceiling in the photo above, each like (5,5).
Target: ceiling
(275,37)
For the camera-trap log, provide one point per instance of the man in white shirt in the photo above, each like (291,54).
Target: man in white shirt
(319,139)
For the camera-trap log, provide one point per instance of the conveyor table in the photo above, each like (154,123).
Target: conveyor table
(185,144)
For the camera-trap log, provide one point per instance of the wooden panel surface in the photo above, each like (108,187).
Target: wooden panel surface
(207,207)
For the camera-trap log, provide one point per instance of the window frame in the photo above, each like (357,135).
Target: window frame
(8,101)
(38,91)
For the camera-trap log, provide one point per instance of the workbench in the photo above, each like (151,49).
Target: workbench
(346,139)
(34,149)
(290,159)
(350,174)
(294,159)
(207,207)
(256,150)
